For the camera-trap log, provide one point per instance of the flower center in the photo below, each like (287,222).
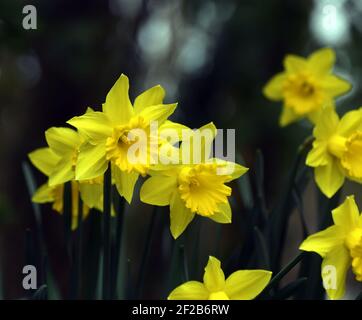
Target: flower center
(301,93)
(354,244)
(219,295)
(119,147)
(352,158)
(202,189)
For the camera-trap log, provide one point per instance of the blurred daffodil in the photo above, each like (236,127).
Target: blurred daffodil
(340,246)
(240,285)
(337,150)
(197,185)
(120,128)
(306,86)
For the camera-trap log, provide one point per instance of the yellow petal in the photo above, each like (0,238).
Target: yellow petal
(329,178)
(180,216)
(95,126)
(63,172)
(44,159)
(322,61)
(293,63)
(273,90)
(288,116)
(91,162)
(335,86)
(169,128)
(150,97)
(318,155)
(158,113)
(62,140)
(350,122)
(125,182)
(191,290)
(347,214)
(324,241)
(327,123)
(337,260)
(158,190)
(118,107)
(214,278)
(246,284)
(223,215)
(43,194)
(92,194)
(197,144)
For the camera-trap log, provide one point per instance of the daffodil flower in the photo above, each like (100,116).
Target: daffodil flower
(112,133)
(340,246)
(337,150)
(196,186)
(306,86)
(57,162)
(240,285)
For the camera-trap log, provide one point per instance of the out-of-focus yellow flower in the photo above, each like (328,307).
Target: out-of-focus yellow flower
(337,150)
(57,163)
(306,86)
(195,186)
(340,246)
(240,285)
(112,133)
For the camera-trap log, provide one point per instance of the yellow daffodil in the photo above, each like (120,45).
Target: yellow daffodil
(111,135)
(337,150)
(306,86)
(195,186)
(240,285)
(340,246)
(57,163)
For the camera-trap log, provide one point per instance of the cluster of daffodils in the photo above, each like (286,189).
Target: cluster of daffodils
(132,140)
(308,88)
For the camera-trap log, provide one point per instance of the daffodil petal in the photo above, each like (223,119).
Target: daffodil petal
(157,190)
(335,86)
(324,241)
(223,215)
(44,159)
(95,126)
(322,61)
(180,216)
(158,113)
(318,155)
(118,107)
(63,172)
(347,214)
(350,122)
(43,194)
(92,194)
(171,129)
(191,290)
(327,124)
(329,178)
(288,116)
(273,90)
(214,278)
(125,182)
(293,63)
(246,284)
(91,161)
(62,140)
(150,97)
(337,260)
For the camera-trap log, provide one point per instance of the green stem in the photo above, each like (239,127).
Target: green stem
(119,204)
(107,199)
(275,280)
(145,255)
